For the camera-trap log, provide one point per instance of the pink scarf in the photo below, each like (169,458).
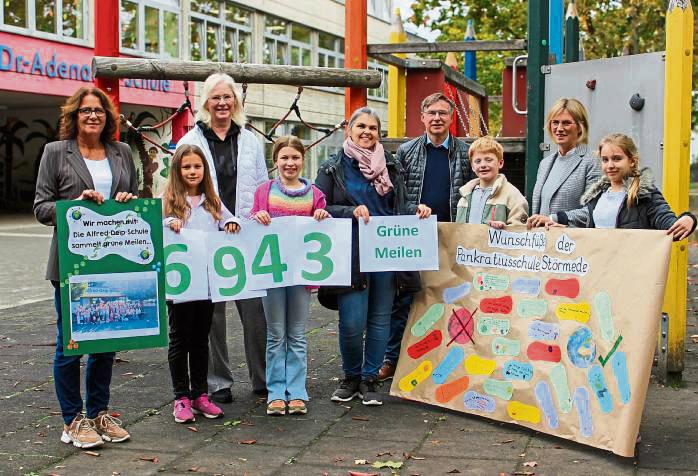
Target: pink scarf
(371,164)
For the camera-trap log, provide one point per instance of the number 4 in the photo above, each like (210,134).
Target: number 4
(276,268)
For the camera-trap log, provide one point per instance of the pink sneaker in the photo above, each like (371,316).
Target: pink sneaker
(202,405)
(182,410)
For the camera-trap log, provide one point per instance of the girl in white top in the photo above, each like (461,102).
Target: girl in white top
(190,201)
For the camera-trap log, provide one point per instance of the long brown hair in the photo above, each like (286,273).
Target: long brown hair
(69,114)
(627,145)
(175,195)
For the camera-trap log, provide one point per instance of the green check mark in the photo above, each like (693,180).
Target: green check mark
(611,352)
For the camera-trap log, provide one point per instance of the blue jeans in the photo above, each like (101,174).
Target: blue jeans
(66,375)
(398,321)
(286,310)
(369,310)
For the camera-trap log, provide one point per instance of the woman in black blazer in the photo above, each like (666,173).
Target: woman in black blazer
(87,164)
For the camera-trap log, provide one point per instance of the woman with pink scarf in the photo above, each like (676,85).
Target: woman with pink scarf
(363,181)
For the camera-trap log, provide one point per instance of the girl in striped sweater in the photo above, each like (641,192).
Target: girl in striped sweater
(287,309)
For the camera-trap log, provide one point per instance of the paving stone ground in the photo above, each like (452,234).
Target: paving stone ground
(329,440)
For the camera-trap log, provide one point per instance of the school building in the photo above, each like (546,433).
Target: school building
(46,50)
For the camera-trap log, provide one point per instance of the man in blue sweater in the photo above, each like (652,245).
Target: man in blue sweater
(436,166)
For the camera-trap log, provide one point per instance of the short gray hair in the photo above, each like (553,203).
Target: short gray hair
(202,114)
(436,97)
(365,110)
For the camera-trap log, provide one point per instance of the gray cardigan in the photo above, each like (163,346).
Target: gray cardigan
(63,175)
(583,169)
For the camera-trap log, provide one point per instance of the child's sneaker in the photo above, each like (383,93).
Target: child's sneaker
(202,405)
(297,407)
(81,433)
(110,428)
(182,410)
(276,408)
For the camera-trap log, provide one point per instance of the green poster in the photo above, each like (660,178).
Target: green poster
(112,279)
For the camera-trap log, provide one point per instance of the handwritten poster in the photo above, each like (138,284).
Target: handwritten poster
(552,330)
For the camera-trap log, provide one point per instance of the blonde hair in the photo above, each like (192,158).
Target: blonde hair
(486,144)
(627,145)
(202,114)
(175,194)
(287,141)
(578,112)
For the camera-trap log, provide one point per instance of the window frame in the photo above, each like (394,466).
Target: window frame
(31,30)
(223,25)
(140,29)
(284,39)
(383,88)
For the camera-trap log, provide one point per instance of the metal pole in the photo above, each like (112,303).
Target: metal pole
(106,22)
(675,165)
(535,79)
(571,34)
(355,40)
(557,9)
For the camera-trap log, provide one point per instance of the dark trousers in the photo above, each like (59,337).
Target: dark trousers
(188,351)
(398,321)
(66,375)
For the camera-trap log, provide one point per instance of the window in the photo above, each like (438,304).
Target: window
(275,40)
(171,34)
(301,54)
(379,9)
(330,51)
(150,26)
(220,31)
(15,13)
(381,92)
(46,16)
(152,30)
(62,18)
(128,17)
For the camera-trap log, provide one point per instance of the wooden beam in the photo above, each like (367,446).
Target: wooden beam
(447,46)
(676,166)
(512,145)
(106,21)
(452,76)
(355,39)
(392,60)
(144,68)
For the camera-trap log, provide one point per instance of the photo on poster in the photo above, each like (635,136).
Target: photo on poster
(114,306)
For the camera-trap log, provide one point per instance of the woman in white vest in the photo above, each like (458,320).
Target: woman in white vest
(236,161)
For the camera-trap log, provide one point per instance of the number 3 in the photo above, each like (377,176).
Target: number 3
(326,264)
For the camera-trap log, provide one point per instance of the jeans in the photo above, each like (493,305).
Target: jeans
(287,310)
(188,350)
(368,309)
(66,375)
(398,321)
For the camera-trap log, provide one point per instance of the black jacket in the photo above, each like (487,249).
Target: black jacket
(650,211)
(412,156)
(330,180)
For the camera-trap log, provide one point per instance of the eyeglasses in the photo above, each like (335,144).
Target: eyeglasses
(565,124)
(88,111)
(226,98)
(441,113)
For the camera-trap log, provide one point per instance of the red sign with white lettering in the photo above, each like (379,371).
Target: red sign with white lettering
(39,66)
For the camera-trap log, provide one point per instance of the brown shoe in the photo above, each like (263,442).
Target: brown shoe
(81,433)
(386,372)
(110,428)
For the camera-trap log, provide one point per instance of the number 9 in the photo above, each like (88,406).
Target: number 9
(237,271)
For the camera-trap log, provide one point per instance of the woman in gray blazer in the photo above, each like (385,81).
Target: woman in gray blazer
(87,164)
(565,175)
